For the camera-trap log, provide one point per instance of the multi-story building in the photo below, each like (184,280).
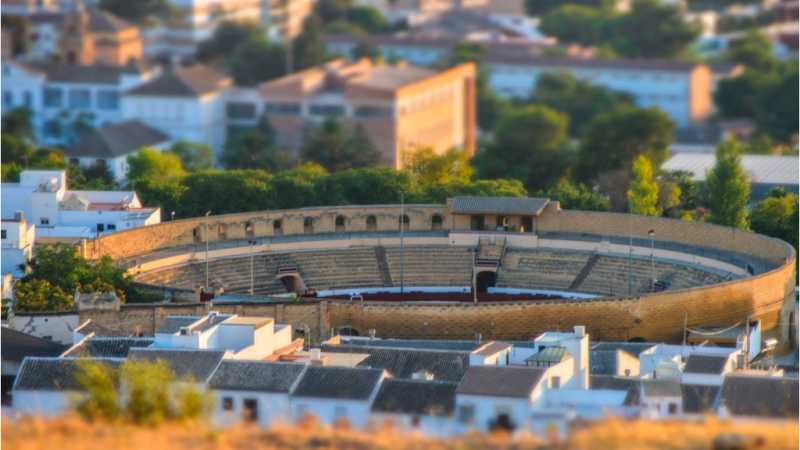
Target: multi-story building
(185,103)
(17,239)
(63,97)
(285,18)
(60,213)
(682,90)
(401,107)
(91,35)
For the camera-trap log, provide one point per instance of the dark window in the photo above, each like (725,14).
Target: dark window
(240,110)
(111,227)
(3,234)
(672,408)
(27,99)
(327,110)
(436,222)
(476,223)
(372,223)
(227,403)
(80,98)
(107,99)
(8,99)
(308,225)
(53,98)
(340,220)
(466,413)
(282,109)
(52,128)
(365,112)
(101,227)
(44,221)
(250,409)
(405,221)
(277,226)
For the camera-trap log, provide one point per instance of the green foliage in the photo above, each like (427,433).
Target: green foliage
(576,24)
(194,155)
(576,196)
(100,381)
(643,192)
(364,186)
(147,387)
(136,11)
(254,148)
(651,30)
(728,187)
(309,48)
(367,18)
(222,192)
(529,146)
(253,62)
(41,295)
(543,7)
(152,164)
(96,177)
(338,146)
(366,50)
(580,100)
(17,123)
(777,216)
(10,172)
(429,168)
(227,37)
(613,139)
(16,150)
(754,51)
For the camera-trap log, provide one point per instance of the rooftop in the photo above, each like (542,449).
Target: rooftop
(521,206)
(525,57)
(748,395)
(491,348)
(427,398)
(498,381)
(107,347)
(16,345)
(338,383)
(256,322)
(90,74)
(194,81)
(763,169)
(53,374)
(117,139)
(609,382)
(698,399)
(405,363)
(552,355)
(257,376)
(705,364)
(195,364)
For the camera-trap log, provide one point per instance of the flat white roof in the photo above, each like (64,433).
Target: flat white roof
(763,169)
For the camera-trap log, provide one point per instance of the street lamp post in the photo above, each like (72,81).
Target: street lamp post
(252,267)
(172,216)
(652,234)
(402,243)
(208,213)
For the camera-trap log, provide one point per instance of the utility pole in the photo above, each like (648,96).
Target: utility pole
(402,243)
(630,248)
(252,267)
(652,234)
(208,213)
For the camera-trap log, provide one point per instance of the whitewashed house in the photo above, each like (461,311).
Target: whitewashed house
(709,370)
(661,398)
(186,103)
(332,394)
(416,405)
(17,244)
(491,353)
(256,391)
(59,213)
(110,145)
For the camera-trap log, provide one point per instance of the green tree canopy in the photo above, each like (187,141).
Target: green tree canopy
(576,196)
(41,295)
(309,49)
(136,11)
(253,62)
(576,24)
(338,146)
(643,193)
(728,187)
(754,51)
(227,37)
(651,29)
(254,148)
(543,7)
(17,123)
(429,168)
(777,216)
(194,155)
(152,164)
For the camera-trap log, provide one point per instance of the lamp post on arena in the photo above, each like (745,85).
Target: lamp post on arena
(652,234)
(402,242)
(208,213)
(252,243)
(630,247)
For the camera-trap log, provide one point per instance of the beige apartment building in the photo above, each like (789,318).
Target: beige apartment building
(403,108)
(285,18)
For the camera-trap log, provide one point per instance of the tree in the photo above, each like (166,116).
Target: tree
(777,216)
(309,49)
(728,187)
(224,192)
(543,7)
(364,186)
(776,106)
(254,148)
(754,51)
(365,49)
(17,122)
(643,193)
(529,146)
(736,97)
(336,148)
(576,24)
(613,139)
(253,62)
(227,37)
(429,168)
(576,196)
(194,155)
(333,10)
(136,11)
(101,383)
(580,100)
(651,30)
(16,150)
(367,18)
(152,164)
(41,295)
(48,158)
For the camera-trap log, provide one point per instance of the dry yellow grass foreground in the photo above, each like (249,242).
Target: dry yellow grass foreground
(73,433)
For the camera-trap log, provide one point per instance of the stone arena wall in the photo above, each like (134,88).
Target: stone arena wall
(658,316)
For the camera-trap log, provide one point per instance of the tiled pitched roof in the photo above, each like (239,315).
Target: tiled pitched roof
(634,348)
(338,383)
(53,374)
(16,345)
(90,74)
(416,344)
(256,376)
(173,324)
(699,398)
(108,347)
(196,364)
(706,364)
(747,395)
(117,139)
(603,362)
(404,363)
(491,348)
(500,381)
(192,81)
(105,22)
(429,398)
(499,205)
(552,355)
(631,385)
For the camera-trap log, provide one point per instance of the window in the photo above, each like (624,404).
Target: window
(340,412)
(404,220)
(44,221)
(327,110)
(282,109)
(249,229)
(107,100)
(111,227)
(101,227)
(672,408)
(372,223)
(555,382)
(3,234)
(476,223)
(436,222)
(240,110)
(222,231)
(227,403)
(340,220)
(250,409)
(80,98)
(277,226)
(364,112)
(308,225)
(466,413)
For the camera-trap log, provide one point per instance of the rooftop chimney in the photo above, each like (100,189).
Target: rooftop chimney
(580,330)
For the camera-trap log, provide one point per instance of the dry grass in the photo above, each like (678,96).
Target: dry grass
(72,433)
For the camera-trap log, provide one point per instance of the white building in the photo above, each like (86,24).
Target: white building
(110,145)
(682,90)
(185,103)
(415,405)
(59,213)
(332,394)
(17,238)
(60,95)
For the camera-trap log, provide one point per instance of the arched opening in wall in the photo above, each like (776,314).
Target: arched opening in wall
(348,331)
(340,227)
(404,221)
(372,223)
(197,235)
(250,230)
(436,222)
(484,280)
(222,231)
(502,423)
(637,339)
(292,284)
(308,225)
(277,227)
